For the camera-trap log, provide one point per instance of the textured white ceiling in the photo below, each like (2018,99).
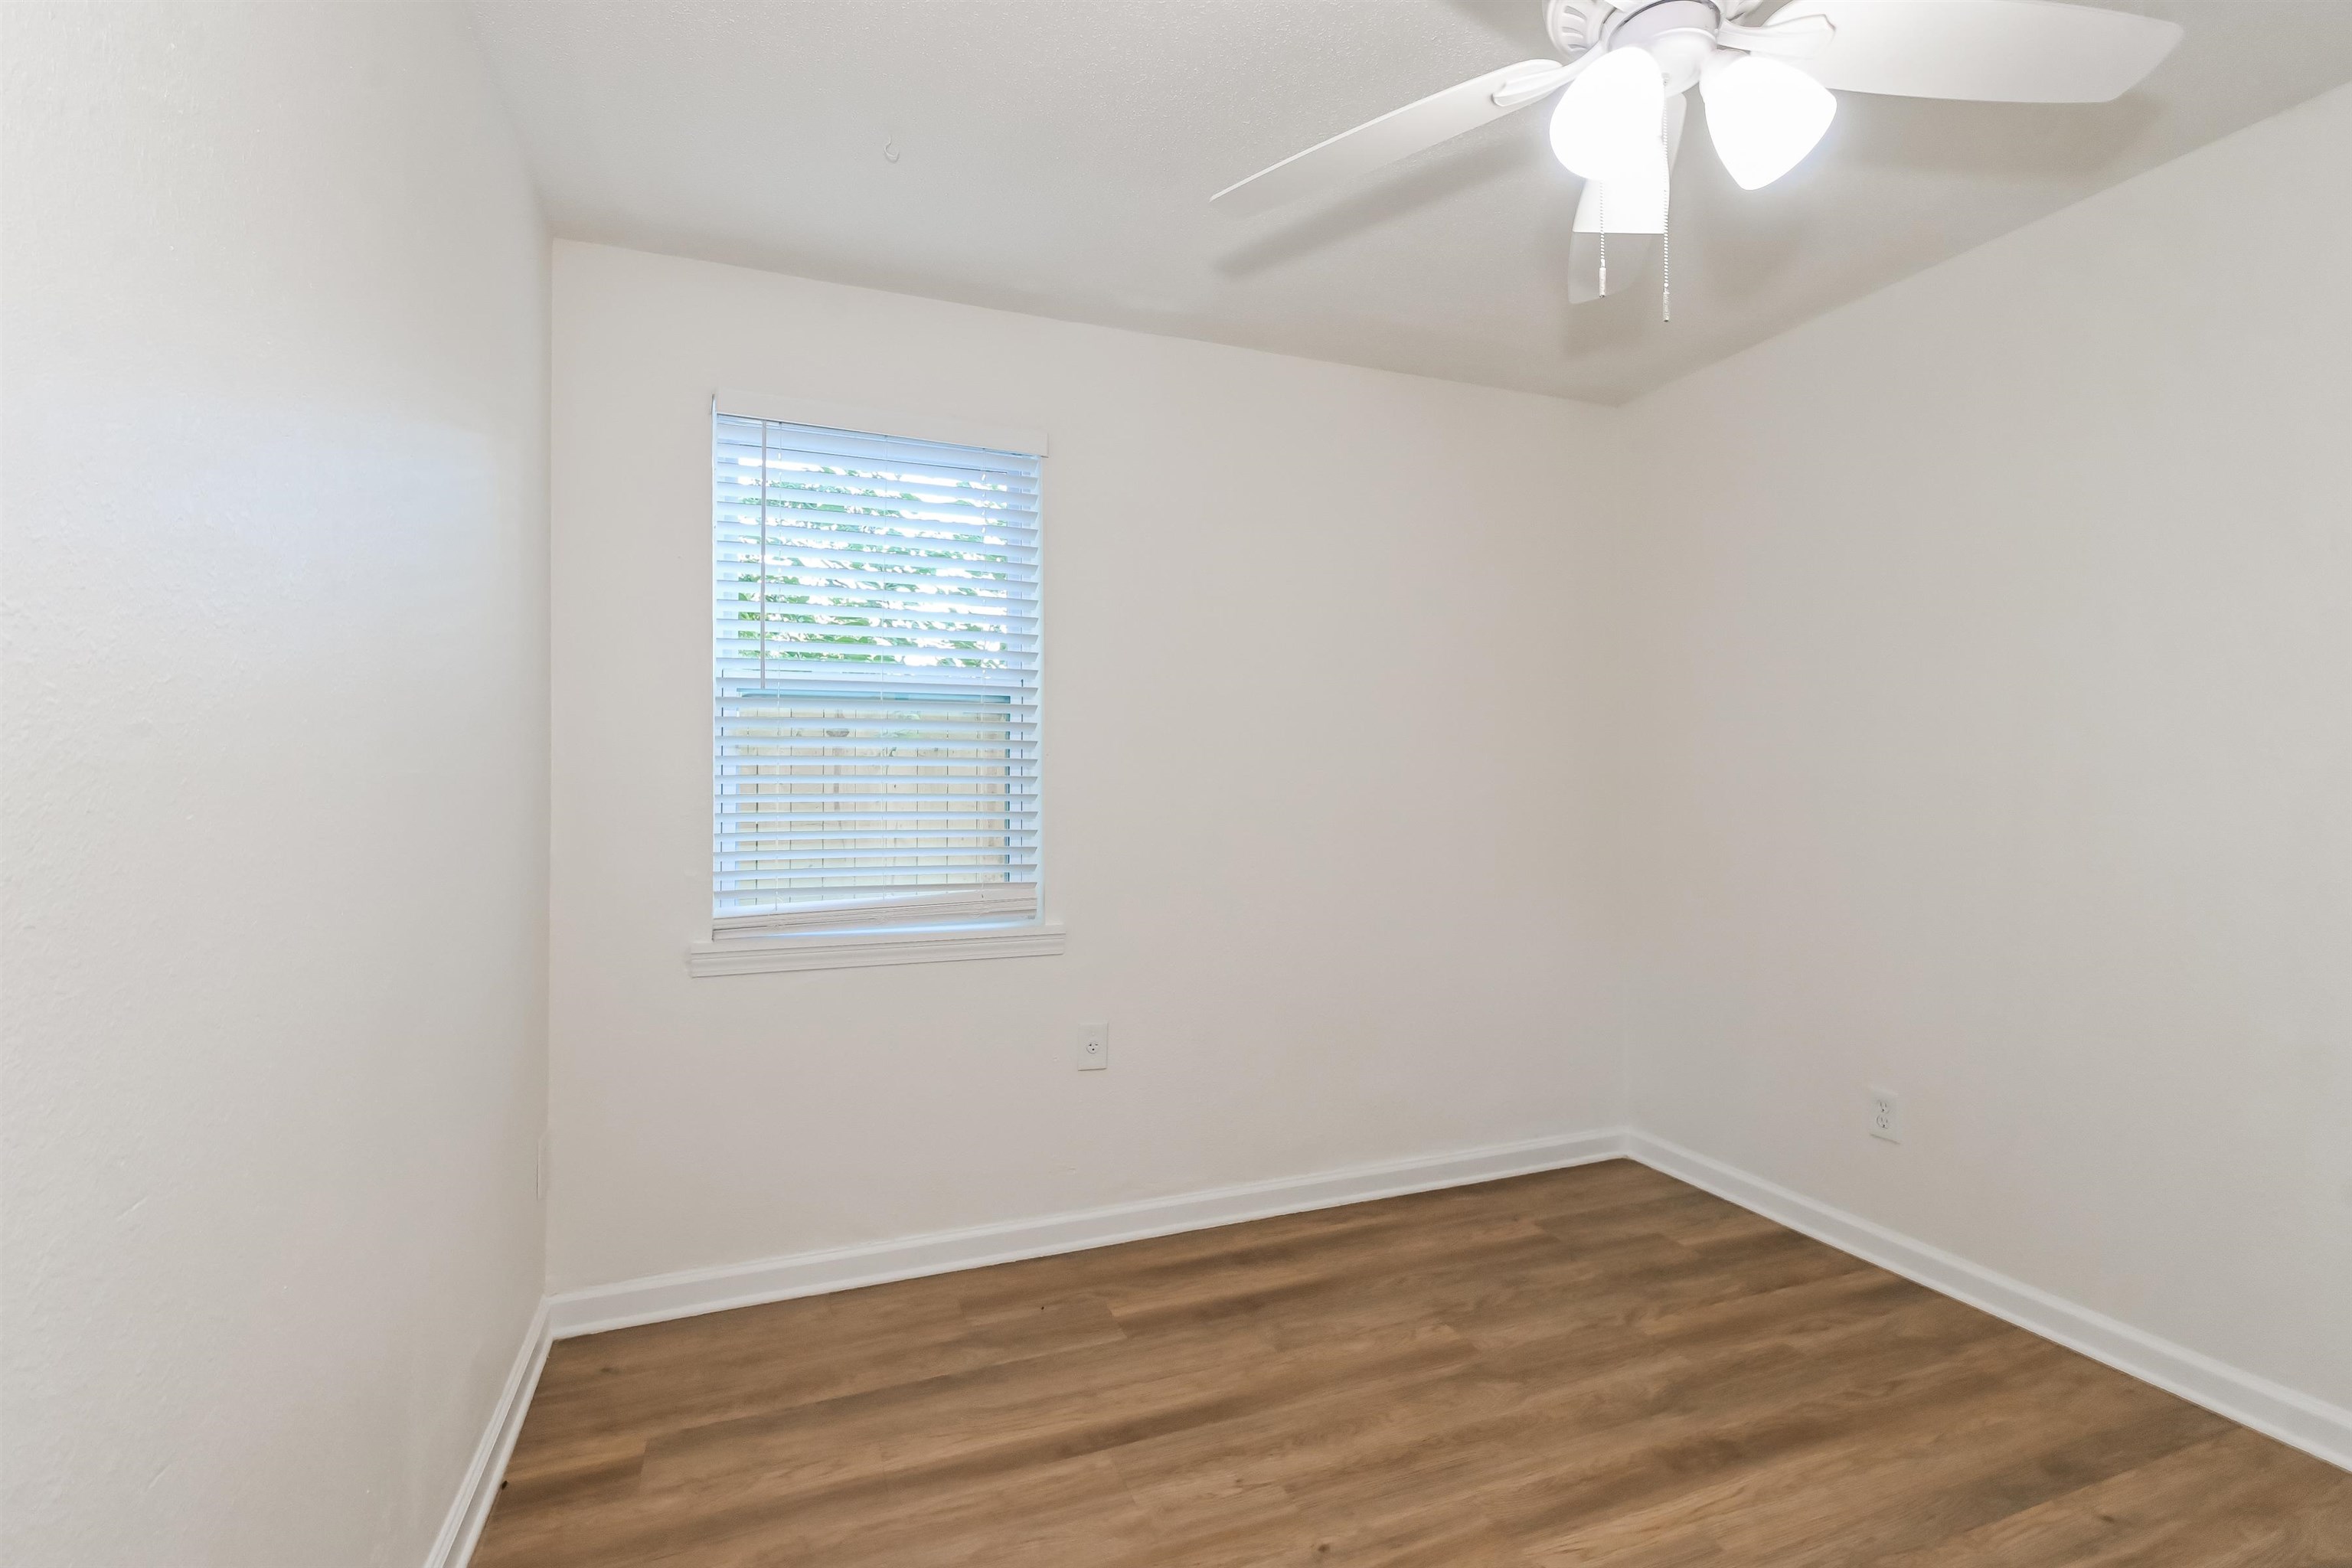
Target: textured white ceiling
(1056,157)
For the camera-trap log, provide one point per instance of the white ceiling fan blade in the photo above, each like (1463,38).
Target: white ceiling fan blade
(1993,51)
(1399,133)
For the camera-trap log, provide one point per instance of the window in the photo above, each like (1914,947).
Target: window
(877,665)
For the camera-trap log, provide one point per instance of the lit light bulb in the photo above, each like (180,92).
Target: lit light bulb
(1764,117)
(1607,124)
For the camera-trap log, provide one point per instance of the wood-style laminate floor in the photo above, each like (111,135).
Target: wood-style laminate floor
(1592,1366)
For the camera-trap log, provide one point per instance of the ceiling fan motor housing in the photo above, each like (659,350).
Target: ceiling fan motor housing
(1680,35)
(1575,26)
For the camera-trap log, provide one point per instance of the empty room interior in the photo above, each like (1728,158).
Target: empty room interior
(1176,784)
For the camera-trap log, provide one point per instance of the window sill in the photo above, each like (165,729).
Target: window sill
(771,955)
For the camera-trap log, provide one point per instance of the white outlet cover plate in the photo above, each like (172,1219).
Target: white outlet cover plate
(1886,1115)
(1094,1047)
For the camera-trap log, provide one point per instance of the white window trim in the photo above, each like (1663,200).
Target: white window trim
(939,944)
(742,951)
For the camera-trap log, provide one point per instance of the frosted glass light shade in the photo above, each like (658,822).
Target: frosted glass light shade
(1764,117)
(1607,124)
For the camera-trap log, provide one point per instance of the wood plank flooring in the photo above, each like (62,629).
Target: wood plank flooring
(1592,1366)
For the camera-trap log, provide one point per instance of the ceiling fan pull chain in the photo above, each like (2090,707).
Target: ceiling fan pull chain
(1603,200)
(1666,228)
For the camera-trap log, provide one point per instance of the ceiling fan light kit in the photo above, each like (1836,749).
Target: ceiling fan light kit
(1764,115)
(1766,73)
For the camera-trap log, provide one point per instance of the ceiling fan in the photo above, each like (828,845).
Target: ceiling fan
(1765,75)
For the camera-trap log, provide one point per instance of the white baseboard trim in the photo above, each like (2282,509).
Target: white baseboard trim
(683,1295)
(2312,1424)
(471,1509)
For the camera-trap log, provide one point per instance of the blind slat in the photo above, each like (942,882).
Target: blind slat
(854,888)
(910,730)
(837,601)
(771,803)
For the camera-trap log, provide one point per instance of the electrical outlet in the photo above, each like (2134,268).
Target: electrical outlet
(1886,1115)
(1094,1047)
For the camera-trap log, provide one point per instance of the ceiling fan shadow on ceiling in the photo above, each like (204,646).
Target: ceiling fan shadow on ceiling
(1769,77)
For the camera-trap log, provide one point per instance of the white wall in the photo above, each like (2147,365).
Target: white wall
(274,560)
(1312,634)
(1992,716)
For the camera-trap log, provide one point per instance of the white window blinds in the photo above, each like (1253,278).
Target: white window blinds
(876,680)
